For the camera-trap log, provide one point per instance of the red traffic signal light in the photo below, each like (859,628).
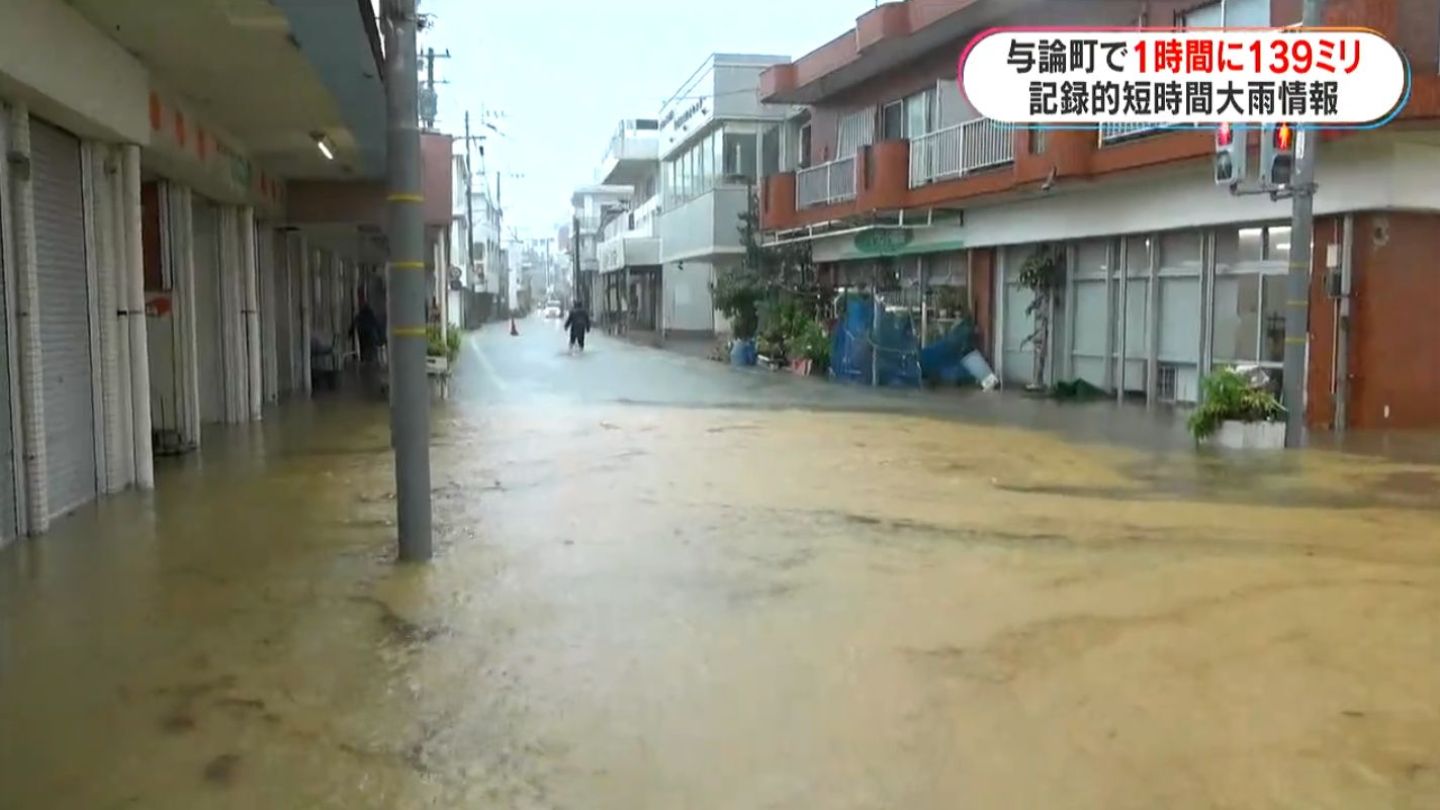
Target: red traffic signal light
(1284,137)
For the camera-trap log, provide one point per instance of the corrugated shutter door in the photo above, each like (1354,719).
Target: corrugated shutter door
(9,524)
(208,355)
(64,318)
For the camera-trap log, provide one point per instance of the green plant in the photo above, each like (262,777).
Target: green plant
(1226,396)
(767,275)
(1043,274)
(446,346)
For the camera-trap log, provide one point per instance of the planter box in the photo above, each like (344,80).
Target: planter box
(1250,435)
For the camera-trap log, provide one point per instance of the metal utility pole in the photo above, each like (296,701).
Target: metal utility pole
(1297,287)
(409,388)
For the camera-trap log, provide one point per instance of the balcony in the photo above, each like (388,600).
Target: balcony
(1117,133)
(825,184)
(632,239)
(632,153)
(959,150)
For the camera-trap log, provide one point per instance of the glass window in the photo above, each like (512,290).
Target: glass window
(1237,318)
(917,114)
(1278,243)
(716,145)
(1137,255)
(770,151)
(1180,249)
(740,157)
(1272,324)
(1250,245)
(892,121)
(1092,257)
(706,161)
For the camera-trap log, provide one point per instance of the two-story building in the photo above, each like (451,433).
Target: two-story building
(629,251)
(713,151)
(592,207)
(900,186)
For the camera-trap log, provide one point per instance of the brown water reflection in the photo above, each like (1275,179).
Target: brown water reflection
(637,606)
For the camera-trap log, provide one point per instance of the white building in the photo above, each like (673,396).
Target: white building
(483,273)
(592,206)
(712,152)
(629,252)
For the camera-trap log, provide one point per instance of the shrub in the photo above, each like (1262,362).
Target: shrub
(1226,396)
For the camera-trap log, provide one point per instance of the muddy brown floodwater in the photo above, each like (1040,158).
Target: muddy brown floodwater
(650,607)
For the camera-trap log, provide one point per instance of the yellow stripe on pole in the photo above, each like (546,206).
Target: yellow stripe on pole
(408,265)
(406,197)
(409,331)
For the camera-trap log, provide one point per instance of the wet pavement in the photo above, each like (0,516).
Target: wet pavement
(664,583)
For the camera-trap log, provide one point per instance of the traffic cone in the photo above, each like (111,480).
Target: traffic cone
(513,331)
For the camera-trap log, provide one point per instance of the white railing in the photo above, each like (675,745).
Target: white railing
(1111,133)
(645,220)
(959,150)
(825,184)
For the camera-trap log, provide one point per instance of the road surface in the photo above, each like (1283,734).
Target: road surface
(663,583)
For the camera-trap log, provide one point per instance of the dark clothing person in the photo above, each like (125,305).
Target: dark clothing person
(578,322)
(366,329)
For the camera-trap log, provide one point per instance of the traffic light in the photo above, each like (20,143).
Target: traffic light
(1277,155)
(1230,155)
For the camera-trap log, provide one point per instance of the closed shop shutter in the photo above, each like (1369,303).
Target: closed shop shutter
(209,358)
(9,524)
(1090,322)
(64,318)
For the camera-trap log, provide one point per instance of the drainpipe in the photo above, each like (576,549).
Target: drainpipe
(1342,328)
(117,259)
(249,265)
(139,349)
(27,304)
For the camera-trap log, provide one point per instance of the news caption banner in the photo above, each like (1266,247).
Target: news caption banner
(1324,77)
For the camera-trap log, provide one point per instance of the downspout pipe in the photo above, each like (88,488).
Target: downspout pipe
(254,370)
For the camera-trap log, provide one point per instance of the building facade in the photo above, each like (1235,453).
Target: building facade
(899,186)
(714,149)
(592,206)
(628,255)
(176,242)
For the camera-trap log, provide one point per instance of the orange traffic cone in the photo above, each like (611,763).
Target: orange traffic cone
(513,331)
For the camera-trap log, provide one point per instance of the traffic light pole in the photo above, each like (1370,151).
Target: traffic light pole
(1297,287)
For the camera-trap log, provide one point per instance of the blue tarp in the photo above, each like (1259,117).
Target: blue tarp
(862,350)
(941,361)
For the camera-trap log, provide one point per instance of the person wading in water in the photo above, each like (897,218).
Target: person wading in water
(578,322)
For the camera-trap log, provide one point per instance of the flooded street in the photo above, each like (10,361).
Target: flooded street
(662,583)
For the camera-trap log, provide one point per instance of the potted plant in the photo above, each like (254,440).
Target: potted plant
(1236,413)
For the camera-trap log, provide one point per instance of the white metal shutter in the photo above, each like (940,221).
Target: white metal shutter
(209,358)
(9,519)
(64,318)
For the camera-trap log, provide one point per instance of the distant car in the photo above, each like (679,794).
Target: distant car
(552,310)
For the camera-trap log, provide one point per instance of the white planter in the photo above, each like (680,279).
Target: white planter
(1250,435)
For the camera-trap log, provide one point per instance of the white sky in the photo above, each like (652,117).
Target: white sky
(563,73)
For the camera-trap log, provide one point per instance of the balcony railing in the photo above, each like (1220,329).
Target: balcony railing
(1114,133)
(959,150)
(825,184)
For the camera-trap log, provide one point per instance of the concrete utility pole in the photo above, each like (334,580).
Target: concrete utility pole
(469,205)
(1297,287)
(575,258)
(409,388)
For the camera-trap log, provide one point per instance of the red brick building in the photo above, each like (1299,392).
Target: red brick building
(897,183)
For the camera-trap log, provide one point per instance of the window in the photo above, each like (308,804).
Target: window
(856,130)
(918,113)
(805,147)
(1037,141)
(1230,13)
(770,151)
(740,158)
(892,121)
